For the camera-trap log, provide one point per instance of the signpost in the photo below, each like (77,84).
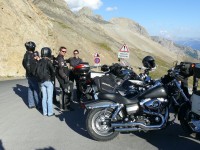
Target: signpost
(97,59)
(123,52)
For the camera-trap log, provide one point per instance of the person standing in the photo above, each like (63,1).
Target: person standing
(62,74)
(74,61)
(46,75)
(33,99)
(33,68)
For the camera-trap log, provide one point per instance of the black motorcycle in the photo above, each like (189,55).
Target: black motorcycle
(111,79)
(114,113)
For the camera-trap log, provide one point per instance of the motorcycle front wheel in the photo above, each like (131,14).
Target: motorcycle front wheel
(98,124)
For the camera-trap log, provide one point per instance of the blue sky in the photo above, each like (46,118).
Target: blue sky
(168,18)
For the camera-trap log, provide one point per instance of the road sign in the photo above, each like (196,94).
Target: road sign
(123,55)
(123,52)
(124,49)
(96,55)
(97,60)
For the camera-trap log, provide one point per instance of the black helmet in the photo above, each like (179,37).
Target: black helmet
(46,52)
(30,46)
(148,62)
(104,68)
(36,53)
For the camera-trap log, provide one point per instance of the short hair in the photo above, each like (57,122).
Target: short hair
(62,47)
(76,51)
(36,53)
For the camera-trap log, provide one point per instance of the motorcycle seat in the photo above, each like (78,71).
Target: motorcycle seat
(117,98)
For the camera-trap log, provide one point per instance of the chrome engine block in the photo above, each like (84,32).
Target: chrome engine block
(154,104)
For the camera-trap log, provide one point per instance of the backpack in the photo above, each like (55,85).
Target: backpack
(41,70)
(33,67)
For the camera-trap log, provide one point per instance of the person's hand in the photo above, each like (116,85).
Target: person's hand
(70,67)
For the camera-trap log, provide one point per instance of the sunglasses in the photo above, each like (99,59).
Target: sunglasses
(64,51)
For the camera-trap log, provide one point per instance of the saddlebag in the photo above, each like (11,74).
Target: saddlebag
(106,83)
(186,69)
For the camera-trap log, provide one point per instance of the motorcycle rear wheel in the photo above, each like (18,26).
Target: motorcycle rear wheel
(98,124)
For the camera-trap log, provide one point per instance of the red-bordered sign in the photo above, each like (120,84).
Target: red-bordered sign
(123,52)
(97,60)
(124,49)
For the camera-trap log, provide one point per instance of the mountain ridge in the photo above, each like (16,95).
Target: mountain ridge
(51,23)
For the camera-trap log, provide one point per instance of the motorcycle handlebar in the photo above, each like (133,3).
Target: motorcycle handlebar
(174,72)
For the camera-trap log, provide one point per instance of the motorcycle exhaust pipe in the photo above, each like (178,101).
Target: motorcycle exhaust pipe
(141,125)
(127,129)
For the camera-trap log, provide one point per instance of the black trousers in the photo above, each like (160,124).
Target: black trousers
(66,94)
(72,78)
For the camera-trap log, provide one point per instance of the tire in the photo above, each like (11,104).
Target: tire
(185,118)
(94,126)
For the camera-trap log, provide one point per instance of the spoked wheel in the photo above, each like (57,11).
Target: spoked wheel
(98,125)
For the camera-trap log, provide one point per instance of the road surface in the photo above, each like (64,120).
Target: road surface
(22,128)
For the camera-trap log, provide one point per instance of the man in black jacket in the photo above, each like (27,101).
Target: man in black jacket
(33,99)
(74,61)
(62,74)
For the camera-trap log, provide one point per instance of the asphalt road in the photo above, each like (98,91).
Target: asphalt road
(22,128)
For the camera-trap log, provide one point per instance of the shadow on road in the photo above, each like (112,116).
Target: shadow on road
(48,148)
(1,146)
(75,120)
(22,91)
(170,138)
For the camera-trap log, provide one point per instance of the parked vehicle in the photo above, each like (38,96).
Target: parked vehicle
(112,78)
(189,113)
(114,113)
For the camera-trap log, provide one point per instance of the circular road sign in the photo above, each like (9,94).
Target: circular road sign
(97,60)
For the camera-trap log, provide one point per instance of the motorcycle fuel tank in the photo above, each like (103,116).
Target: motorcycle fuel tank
(155,92)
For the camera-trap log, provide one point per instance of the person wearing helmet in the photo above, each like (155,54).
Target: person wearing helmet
(46,77)
(148,62)
(33,99)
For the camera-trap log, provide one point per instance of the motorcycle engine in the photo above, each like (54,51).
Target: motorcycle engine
(155,104)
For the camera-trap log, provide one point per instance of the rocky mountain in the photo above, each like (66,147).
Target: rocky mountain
(100,35)
(179,49)
(51,23)
(21,21)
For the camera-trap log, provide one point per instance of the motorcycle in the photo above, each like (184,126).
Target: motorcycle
(114,113)
(85,80)
(127,81)
(189,114)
